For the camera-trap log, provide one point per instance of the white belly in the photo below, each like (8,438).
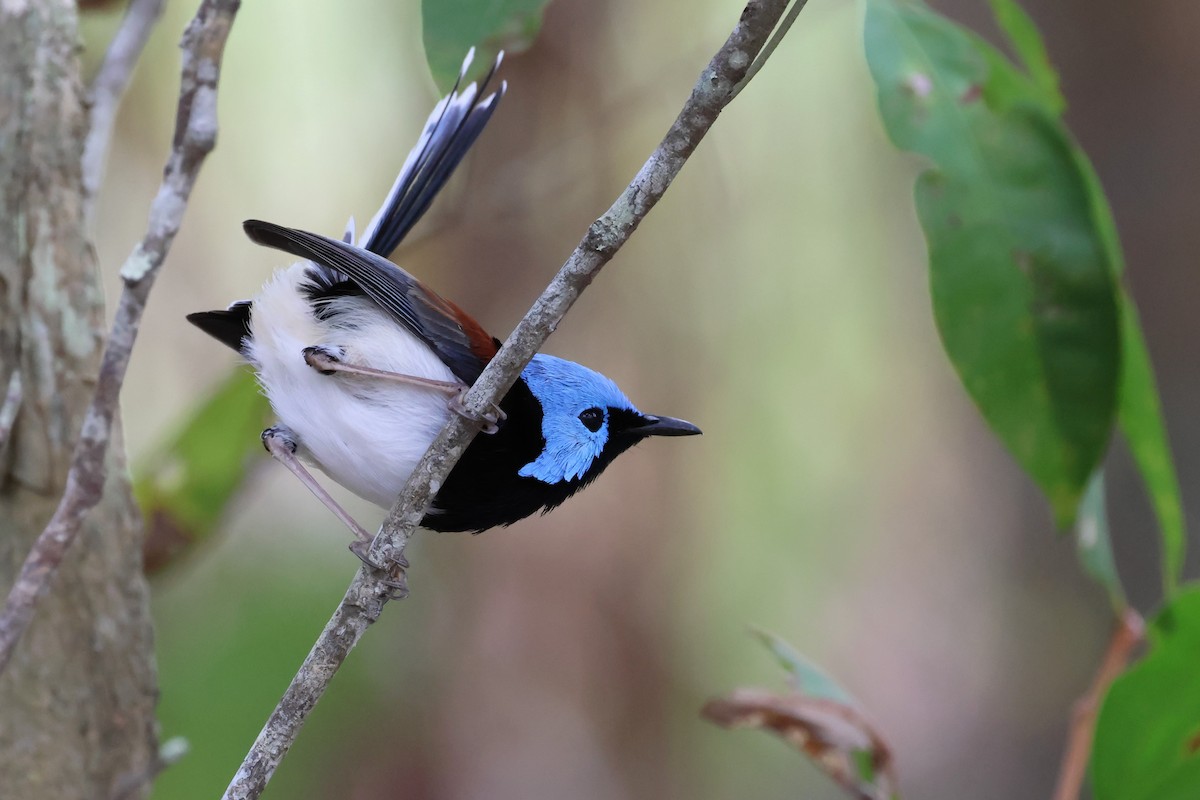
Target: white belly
(365,433)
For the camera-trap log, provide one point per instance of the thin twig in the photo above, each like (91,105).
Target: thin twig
(1129,632)
(10,406)
(781,31)
(371,588)
(195,136)
(109,86)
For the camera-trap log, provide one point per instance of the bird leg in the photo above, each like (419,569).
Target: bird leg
(281,444)
(326,362)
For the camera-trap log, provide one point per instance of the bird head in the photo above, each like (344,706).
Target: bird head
(587,421)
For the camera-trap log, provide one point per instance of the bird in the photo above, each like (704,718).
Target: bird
(363,364)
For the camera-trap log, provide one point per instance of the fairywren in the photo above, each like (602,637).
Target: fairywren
(362,363)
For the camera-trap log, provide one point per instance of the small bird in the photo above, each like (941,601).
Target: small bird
(363,364)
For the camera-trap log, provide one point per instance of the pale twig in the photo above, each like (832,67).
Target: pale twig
(195,135)
(1129,632)
(10,406)
(371,588)
(780,31)
(109,86)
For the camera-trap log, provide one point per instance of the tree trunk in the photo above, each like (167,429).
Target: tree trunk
(77,700)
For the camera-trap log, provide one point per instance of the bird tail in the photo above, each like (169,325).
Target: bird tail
(455,124)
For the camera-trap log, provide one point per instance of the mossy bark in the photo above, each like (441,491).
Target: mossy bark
(77,700)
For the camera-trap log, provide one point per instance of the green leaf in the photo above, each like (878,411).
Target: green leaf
(1147,744)
(452,27)
(1027,43)
(1023,292)
(184,487)
(1139,413)
(807,677)
(1140,418)
(1094,544)
(1139,410)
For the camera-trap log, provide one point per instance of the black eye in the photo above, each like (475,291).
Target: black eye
(592,419)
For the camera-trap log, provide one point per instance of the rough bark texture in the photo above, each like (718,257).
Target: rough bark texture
(77,701)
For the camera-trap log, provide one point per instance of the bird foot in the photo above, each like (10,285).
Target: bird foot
(323,359)
(490,419)
(278,436)
(397,570)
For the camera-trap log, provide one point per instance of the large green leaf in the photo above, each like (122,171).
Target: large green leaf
(1140,418)
(1139,413)
(1023,292)
(1147,744)
(184,487)
(452,27)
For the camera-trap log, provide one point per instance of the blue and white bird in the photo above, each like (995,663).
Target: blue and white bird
(362,364)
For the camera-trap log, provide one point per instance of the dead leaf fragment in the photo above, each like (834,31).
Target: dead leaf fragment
(833,734)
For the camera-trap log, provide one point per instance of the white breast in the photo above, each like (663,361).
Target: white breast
(365,433)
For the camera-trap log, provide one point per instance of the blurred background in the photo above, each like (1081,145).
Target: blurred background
(845,495)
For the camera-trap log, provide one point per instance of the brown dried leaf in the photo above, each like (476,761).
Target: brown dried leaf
(834,735)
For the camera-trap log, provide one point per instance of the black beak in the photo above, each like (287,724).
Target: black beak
(664,426)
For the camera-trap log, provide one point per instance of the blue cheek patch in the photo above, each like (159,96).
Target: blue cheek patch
(569,452)
(565,389)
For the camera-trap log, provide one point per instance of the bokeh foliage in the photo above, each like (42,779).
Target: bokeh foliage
(758,352)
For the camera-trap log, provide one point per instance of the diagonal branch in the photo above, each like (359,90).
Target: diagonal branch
(371,588)
(195,135)
(108,87)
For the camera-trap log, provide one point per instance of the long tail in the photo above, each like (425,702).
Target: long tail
(455,124)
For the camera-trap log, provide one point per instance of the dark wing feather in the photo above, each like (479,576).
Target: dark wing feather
(462,344)
(451,129)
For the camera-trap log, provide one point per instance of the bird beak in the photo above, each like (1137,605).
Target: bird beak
(664,426)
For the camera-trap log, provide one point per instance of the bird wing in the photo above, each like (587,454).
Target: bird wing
(452,127)
(461,342)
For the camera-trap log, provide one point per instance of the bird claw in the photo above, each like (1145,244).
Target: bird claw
(280,434)
(397,581)
(321,358)
(490,419)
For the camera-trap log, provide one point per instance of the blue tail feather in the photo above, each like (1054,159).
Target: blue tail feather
(451,129)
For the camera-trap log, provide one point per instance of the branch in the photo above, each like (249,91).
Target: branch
(195,135)
(9,407)
(373,587)
(1129,632)
(109,86)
